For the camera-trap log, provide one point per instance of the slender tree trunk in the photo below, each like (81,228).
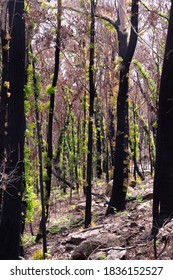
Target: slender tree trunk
(78,167)
(51,111)
(75,151)
(91,114)
(163,180)
(61,137)
(42,227)
(134,142)
(84,127)
(13,144)
(98,137)
(134,146)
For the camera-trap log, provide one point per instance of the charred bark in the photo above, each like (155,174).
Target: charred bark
(163,180)
(126,51)
(91,114)
(51,111)
(13,144)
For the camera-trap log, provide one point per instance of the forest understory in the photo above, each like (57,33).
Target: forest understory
(125,235)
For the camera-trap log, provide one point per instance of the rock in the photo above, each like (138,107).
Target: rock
(85,234)
(114,254)
(166,230)
(101,255)
(75,240)
(80,207)
(143,206)
(95,242)
(110,240)
(70,247)
(85,249)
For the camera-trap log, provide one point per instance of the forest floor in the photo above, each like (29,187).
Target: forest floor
(124,235)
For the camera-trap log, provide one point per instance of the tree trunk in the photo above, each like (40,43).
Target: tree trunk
(91,113)
(42,228)
(134,145)
(163,180)
(84,128)
(51,111)
(126,51)
(4,89)
(98,138)
(112,134)
(13,145)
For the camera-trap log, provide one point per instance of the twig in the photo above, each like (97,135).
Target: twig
(165,243)
(118,248)
(95,251)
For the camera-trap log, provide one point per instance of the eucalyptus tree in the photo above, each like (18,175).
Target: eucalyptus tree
(126,52)
(51,91)
(92,91)
(163,191)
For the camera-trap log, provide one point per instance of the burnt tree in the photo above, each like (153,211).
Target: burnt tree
(4,89)
(163,180)
(126,52)
(51,109)
(91,115)
(13,144)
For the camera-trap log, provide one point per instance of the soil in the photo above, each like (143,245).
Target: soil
(124,235)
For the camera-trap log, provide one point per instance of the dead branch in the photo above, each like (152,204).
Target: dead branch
(119,248)
(63,180)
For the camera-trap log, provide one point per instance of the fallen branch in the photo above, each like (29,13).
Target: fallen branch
(118,248)
(63,180)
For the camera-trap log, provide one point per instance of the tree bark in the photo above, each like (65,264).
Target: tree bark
(51,111)
(163,180)
(126,51)
(91,114)
(98,137)
(4,89)
(13,145)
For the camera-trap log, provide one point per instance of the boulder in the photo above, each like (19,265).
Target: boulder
(85,249)
(94,243)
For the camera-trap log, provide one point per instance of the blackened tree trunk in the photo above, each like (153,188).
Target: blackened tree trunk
(111,133)
(51,110)
(126,51)
(42,228)
(84,128)
(163,180)
(91,114)
(11,220)
(4,88)
(134,146)
(98,137)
